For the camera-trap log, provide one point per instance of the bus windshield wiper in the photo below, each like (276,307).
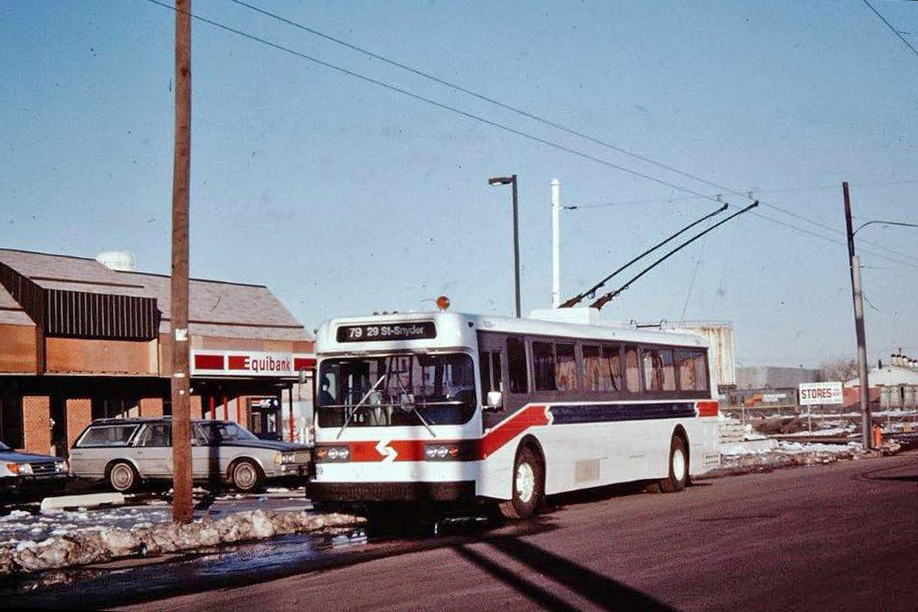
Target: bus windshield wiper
(414,408)
(360,403)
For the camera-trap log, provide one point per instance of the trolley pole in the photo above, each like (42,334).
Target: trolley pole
(858,298)
(181,387)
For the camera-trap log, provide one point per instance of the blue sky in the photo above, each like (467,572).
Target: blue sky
(344,197)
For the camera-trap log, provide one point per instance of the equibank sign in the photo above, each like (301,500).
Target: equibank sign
(250,363)
(813,394)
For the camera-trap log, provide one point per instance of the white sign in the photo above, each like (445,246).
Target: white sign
(812,394)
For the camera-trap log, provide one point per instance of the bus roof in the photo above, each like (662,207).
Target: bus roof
(459,330)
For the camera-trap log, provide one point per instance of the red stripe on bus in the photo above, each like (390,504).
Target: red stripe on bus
(707,409)
(413,450)
(530,416)
(208,362)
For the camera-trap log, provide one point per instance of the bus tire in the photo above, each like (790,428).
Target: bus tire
(678,469)
(528,486)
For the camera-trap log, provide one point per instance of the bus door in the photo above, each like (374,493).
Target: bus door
(492,366)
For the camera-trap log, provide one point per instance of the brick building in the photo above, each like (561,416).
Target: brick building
(80,340)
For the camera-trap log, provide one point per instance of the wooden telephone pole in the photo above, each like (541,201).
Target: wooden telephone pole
(181,387)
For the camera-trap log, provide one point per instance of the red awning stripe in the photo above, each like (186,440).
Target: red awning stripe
(208,362)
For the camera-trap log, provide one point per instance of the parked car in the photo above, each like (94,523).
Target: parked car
(28,474)
(126,452)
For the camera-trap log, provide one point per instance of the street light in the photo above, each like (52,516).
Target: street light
(858,297)
(511,180)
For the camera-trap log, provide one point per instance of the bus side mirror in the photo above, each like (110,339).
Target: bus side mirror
(495,400)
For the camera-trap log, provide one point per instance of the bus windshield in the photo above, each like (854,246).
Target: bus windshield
(394,390)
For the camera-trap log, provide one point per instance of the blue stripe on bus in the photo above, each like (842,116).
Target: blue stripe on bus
(570,414)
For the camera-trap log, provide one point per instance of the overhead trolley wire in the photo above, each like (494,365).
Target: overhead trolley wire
(498,125)
(433,102)
(891,28)
(558,126)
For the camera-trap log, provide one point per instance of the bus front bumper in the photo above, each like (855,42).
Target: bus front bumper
(390,491)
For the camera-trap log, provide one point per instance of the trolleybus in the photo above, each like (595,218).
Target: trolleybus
(450,407)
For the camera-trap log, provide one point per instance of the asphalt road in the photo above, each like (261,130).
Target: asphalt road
(836,537)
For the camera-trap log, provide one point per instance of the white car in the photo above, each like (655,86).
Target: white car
(125,452)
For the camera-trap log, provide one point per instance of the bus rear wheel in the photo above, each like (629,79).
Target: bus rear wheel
(678,469)
(528,486)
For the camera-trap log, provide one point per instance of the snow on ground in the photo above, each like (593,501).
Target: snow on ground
(73,545)
(788,448)
(753,456)
(23,525)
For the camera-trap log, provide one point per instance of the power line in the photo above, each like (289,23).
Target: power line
(432,102)
(459,88)
(504,127)
(891,28)
(555,125)
(755,191)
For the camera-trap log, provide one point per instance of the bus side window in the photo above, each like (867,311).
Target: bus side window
(518,372)
(544,366)
(632,370)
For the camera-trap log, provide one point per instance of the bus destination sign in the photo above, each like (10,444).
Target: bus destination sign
(421,330)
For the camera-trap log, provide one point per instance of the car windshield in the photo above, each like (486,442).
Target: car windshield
(217,431)
(396,390)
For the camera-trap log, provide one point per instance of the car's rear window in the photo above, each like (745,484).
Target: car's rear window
(107,435)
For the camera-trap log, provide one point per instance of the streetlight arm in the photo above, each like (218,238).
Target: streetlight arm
(899,223)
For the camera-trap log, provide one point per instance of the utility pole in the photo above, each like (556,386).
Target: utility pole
(555,243)
(181,387)
(858,297)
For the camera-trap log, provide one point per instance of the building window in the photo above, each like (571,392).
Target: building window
(11,432)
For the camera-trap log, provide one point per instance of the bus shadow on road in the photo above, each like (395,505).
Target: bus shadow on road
(598,494)
(600,590)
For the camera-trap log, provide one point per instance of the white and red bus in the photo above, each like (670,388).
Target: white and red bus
(452,407)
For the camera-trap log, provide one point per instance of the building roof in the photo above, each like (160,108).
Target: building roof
(888,376)
(11,312)
(216,308)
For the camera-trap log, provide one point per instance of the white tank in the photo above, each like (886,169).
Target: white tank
(122,261)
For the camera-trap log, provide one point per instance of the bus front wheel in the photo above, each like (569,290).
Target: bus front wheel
(678,469)
(528,486)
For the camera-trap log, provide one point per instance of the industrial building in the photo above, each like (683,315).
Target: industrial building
(894,385)
(81,339)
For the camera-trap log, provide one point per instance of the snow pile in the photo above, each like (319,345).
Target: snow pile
(21,525)
(740,457)
(80,548)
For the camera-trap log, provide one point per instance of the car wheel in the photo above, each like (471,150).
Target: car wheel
(528,486)
(246,476)
(122,477)
(678,469)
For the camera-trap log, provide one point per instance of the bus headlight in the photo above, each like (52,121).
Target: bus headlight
(333,453)
(441,452)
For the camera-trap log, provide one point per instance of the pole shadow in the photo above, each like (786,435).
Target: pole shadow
(600,590)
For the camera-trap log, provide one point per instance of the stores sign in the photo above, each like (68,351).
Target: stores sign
(250,363)
(812,394)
